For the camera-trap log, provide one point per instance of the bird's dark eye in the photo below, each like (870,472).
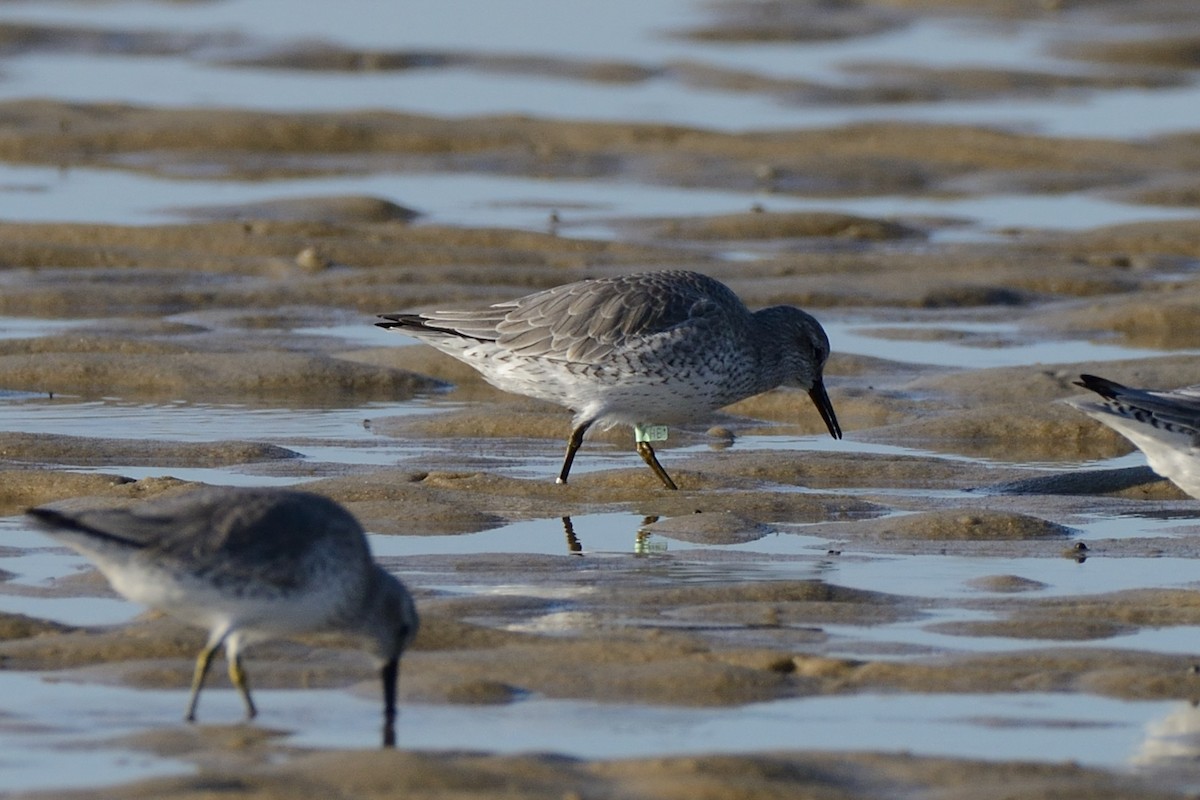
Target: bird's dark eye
(820,350)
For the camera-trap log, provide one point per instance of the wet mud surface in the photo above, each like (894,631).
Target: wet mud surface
(925,555)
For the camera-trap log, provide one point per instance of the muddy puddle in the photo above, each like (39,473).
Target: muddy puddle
(204,206)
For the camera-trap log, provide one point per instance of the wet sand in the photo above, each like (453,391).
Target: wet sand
(202,312)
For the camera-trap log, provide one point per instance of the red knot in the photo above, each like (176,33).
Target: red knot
(645,350)
(247,565)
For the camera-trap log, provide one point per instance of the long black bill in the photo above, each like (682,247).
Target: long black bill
(390,674)
(820,399)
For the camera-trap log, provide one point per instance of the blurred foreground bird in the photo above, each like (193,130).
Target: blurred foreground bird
(247,565)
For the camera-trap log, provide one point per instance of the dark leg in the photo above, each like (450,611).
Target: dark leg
(573,445)
(647,453)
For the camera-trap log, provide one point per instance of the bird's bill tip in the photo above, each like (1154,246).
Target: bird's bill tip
(820,399)
(390,672)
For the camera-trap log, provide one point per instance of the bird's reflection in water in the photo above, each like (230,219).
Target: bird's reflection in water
(574,546)
(1172,740)
(642,544)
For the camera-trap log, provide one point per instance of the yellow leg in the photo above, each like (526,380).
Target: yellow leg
(647,453)
(238,676)
(203,662)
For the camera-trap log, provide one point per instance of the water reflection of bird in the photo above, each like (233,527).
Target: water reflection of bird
(247,564)
(575,546)
(1172,740)
(644,350)
(1164,425)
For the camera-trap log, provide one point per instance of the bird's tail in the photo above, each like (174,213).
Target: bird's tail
(54,520)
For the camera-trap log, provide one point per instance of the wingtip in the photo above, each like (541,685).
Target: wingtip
(43,514)
(1101,386)
(52,519)
(392,321)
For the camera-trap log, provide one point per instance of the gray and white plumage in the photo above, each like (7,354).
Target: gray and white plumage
(1164,425)
(645,349)
(247,565)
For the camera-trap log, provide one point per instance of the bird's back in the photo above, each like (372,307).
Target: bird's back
(223,533)
(590,321)
(584,320)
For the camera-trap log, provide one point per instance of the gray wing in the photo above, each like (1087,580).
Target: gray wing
(263,534)
(257,526)
(152,525)
(1181,408)
(583,322)
(1177,408)
(84,526)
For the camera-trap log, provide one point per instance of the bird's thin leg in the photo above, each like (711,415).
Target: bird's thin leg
(573,444)
(203,662)
(647,453)
(237,675)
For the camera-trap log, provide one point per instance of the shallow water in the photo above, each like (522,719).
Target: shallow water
(47,722)
(1000,345)
(54,714)
(584,209)
(640,35)
(47,715)
(345,437)
(43,717)
(1108,733)
(784,554)
(636,32)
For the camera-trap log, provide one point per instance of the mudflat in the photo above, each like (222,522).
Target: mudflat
(224,309)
